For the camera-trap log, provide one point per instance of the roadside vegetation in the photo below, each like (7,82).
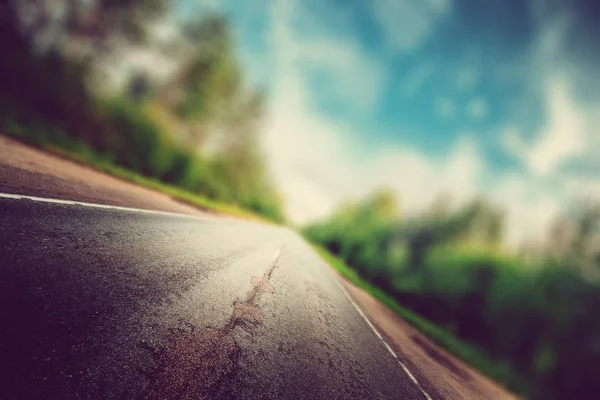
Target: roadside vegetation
(194,129)
(81,153)
(528,320)
(476,357)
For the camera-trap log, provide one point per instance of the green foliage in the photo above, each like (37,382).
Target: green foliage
(46,98)
(536,320)
(80,152)
(359,232)
(210,77)
(138,143)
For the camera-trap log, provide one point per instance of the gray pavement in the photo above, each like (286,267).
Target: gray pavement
(113,304)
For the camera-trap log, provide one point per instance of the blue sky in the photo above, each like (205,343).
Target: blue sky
(425,96)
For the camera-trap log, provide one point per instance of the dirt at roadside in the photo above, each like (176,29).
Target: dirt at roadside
(27,171)
(439,373)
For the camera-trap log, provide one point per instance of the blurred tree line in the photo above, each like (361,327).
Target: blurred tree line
(537,315)
(196,129)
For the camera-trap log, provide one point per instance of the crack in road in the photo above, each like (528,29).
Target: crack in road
(196,364)
(246,313)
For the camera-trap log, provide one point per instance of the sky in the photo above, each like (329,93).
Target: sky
(493,97)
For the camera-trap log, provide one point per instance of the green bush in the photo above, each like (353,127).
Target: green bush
(131,138)
(137,141)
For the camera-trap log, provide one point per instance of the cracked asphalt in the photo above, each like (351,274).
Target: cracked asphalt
(113,304)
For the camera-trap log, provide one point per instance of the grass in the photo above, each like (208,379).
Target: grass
(82,154)
(501,372)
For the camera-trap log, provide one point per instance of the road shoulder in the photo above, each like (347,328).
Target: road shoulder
(25,170)
(437,370)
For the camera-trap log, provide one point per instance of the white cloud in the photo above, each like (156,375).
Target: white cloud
(419,178)
(569,133)
(562,137)
(312,158)
(298,140)
(295,139)
(530,207)
(582,187)
(354,78)
(477,108)
(513,142)
(406,23)
(532,204)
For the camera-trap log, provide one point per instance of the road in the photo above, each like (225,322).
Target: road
(107,303)
(98,301)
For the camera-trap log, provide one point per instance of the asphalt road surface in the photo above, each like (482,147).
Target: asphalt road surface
(117,304)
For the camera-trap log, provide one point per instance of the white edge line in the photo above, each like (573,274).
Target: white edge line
(96,205)
(387,346)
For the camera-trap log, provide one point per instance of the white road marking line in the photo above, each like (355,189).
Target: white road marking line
(10,196)
(387,346)
(96,205)
(390,350)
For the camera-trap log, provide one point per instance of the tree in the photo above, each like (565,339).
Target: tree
(87,29)
(360,233)
(139,86)
(209,80)
(585,247)
(574,238)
